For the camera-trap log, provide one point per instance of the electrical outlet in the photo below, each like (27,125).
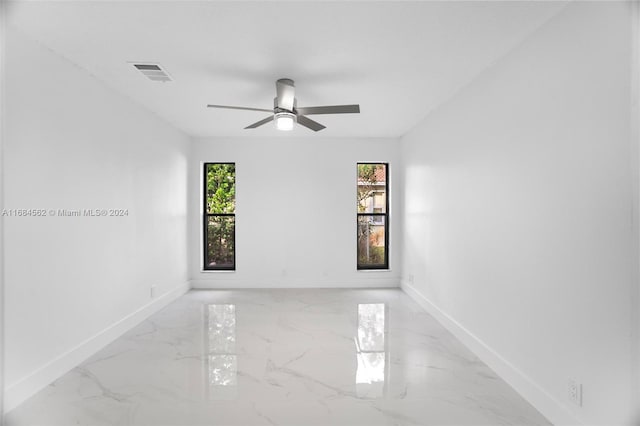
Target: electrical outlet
(153,291)
(575,392)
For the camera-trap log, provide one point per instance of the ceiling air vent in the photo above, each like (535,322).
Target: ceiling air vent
(153,72)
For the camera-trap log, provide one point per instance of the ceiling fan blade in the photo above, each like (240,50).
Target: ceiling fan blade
(286,93)
(236,107)
(260,123)
(309,123)
(332,109)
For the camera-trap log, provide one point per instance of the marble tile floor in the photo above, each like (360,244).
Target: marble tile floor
(282,357)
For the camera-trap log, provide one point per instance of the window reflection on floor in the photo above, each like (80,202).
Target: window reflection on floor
(220,344)
(371,350)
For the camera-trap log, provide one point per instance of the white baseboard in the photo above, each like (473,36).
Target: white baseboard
(550,407)
(18,392)
(231,283)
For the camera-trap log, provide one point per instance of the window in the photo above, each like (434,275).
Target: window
(219,217)
(373,216)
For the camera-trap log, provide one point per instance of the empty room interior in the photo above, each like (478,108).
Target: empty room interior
(319,213)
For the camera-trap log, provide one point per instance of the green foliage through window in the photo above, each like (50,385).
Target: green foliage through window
(221,188)
(220,226)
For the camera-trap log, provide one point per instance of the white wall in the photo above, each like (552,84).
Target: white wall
(518,230)
(295,211)
(635,170)
(2,137)
(74,283)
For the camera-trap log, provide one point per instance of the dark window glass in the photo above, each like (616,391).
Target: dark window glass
(373,216)
(220,216)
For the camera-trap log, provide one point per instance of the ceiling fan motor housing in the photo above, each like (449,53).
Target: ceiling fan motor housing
(277,109)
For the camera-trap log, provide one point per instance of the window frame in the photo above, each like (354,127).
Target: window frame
(205,221)
(385,215)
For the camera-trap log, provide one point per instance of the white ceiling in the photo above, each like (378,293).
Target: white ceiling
(398,60)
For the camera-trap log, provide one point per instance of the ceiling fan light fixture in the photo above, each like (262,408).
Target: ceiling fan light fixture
(285,121)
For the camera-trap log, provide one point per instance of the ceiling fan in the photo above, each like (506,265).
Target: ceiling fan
(286,111)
